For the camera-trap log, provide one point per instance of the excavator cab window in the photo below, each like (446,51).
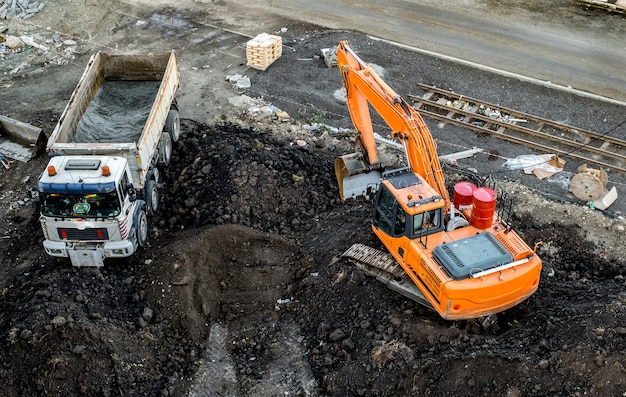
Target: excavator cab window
(383,210)
(389,216)
(427,222)
(400,226)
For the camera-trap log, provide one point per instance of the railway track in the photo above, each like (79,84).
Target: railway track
(522,128)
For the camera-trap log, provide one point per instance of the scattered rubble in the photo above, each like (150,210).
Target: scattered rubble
(19,8)
(43,47)
(329,55)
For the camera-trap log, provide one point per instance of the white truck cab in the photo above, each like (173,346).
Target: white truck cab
(89,209)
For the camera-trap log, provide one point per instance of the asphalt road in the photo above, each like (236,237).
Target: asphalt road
(566,49)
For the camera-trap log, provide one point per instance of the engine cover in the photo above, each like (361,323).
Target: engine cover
(470,255)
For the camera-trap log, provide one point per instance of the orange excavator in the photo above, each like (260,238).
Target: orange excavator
(458,257)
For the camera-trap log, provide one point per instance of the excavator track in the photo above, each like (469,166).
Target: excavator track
(385,269)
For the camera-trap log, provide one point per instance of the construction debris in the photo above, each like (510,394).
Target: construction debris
(588,184)
(330,56)
(13,42)
(56,49)
(453,157)
(5,163)
(19,8)
(617,6)
(607,198)
(19,141)
(542,166)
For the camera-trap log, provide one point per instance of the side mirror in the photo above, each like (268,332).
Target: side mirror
(370,193)
(132,193)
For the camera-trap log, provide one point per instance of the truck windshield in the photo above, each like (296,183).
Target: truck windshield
(92,205)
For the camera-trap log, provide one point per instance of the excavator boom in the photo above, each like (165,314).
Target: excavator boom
(363,87)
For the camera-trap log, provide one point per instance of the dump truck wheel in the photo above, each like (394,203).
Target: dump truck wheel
(172,125)
(152,196)
(141,228)
(165,149)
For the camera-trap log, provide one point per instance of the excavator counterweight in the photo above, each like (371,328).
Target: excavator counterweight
(456,256)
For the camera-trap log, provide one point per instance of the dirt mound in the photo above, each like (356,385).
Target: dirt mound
(239,293)
(221,176)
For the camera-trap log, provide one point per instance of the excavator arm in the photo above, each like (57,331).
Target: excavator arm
(364,87)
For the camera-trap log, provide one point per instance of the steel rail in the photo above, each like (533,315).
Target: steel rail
(539,133)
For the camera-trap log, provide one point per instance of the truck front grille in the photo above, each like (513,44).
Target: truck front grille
(83,235)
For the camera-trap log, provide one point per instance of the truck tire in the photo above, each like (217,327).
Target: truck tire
(165,149)
(172,125)
(141,228)
(152,196)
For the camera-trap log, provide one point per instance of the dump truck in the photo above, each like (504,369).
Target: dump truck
(101,182)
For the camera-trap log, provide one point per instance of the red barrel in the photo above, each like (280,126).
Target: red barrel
(463,195)
(483,207)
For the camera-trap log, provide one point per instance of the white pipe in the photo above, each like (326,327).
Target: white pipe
(499,268)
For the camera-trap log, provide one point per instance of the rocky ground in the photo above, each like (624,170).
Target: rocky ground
(239,292)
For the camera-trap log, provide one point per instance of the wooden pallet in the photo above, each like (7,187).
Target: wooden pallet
(263,50)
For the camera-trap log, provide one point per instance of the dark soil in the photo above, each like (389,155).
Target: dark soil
(253,250)
(240,292)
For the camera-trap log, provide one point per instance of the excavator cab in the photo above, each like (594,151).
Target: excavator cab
(414,222)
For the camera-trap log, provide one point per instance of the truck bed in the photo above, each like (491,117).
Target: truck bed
(119,108)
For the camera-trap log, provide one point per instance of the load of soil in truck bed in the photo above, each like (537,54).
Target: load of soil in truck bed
(118,112)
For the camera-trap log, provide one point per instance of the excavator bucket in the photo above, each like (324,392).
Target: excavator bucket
(354,177)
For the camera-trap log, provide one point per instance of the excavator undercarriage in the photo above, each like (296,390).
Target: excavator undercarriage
(382,266)
(385,269)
